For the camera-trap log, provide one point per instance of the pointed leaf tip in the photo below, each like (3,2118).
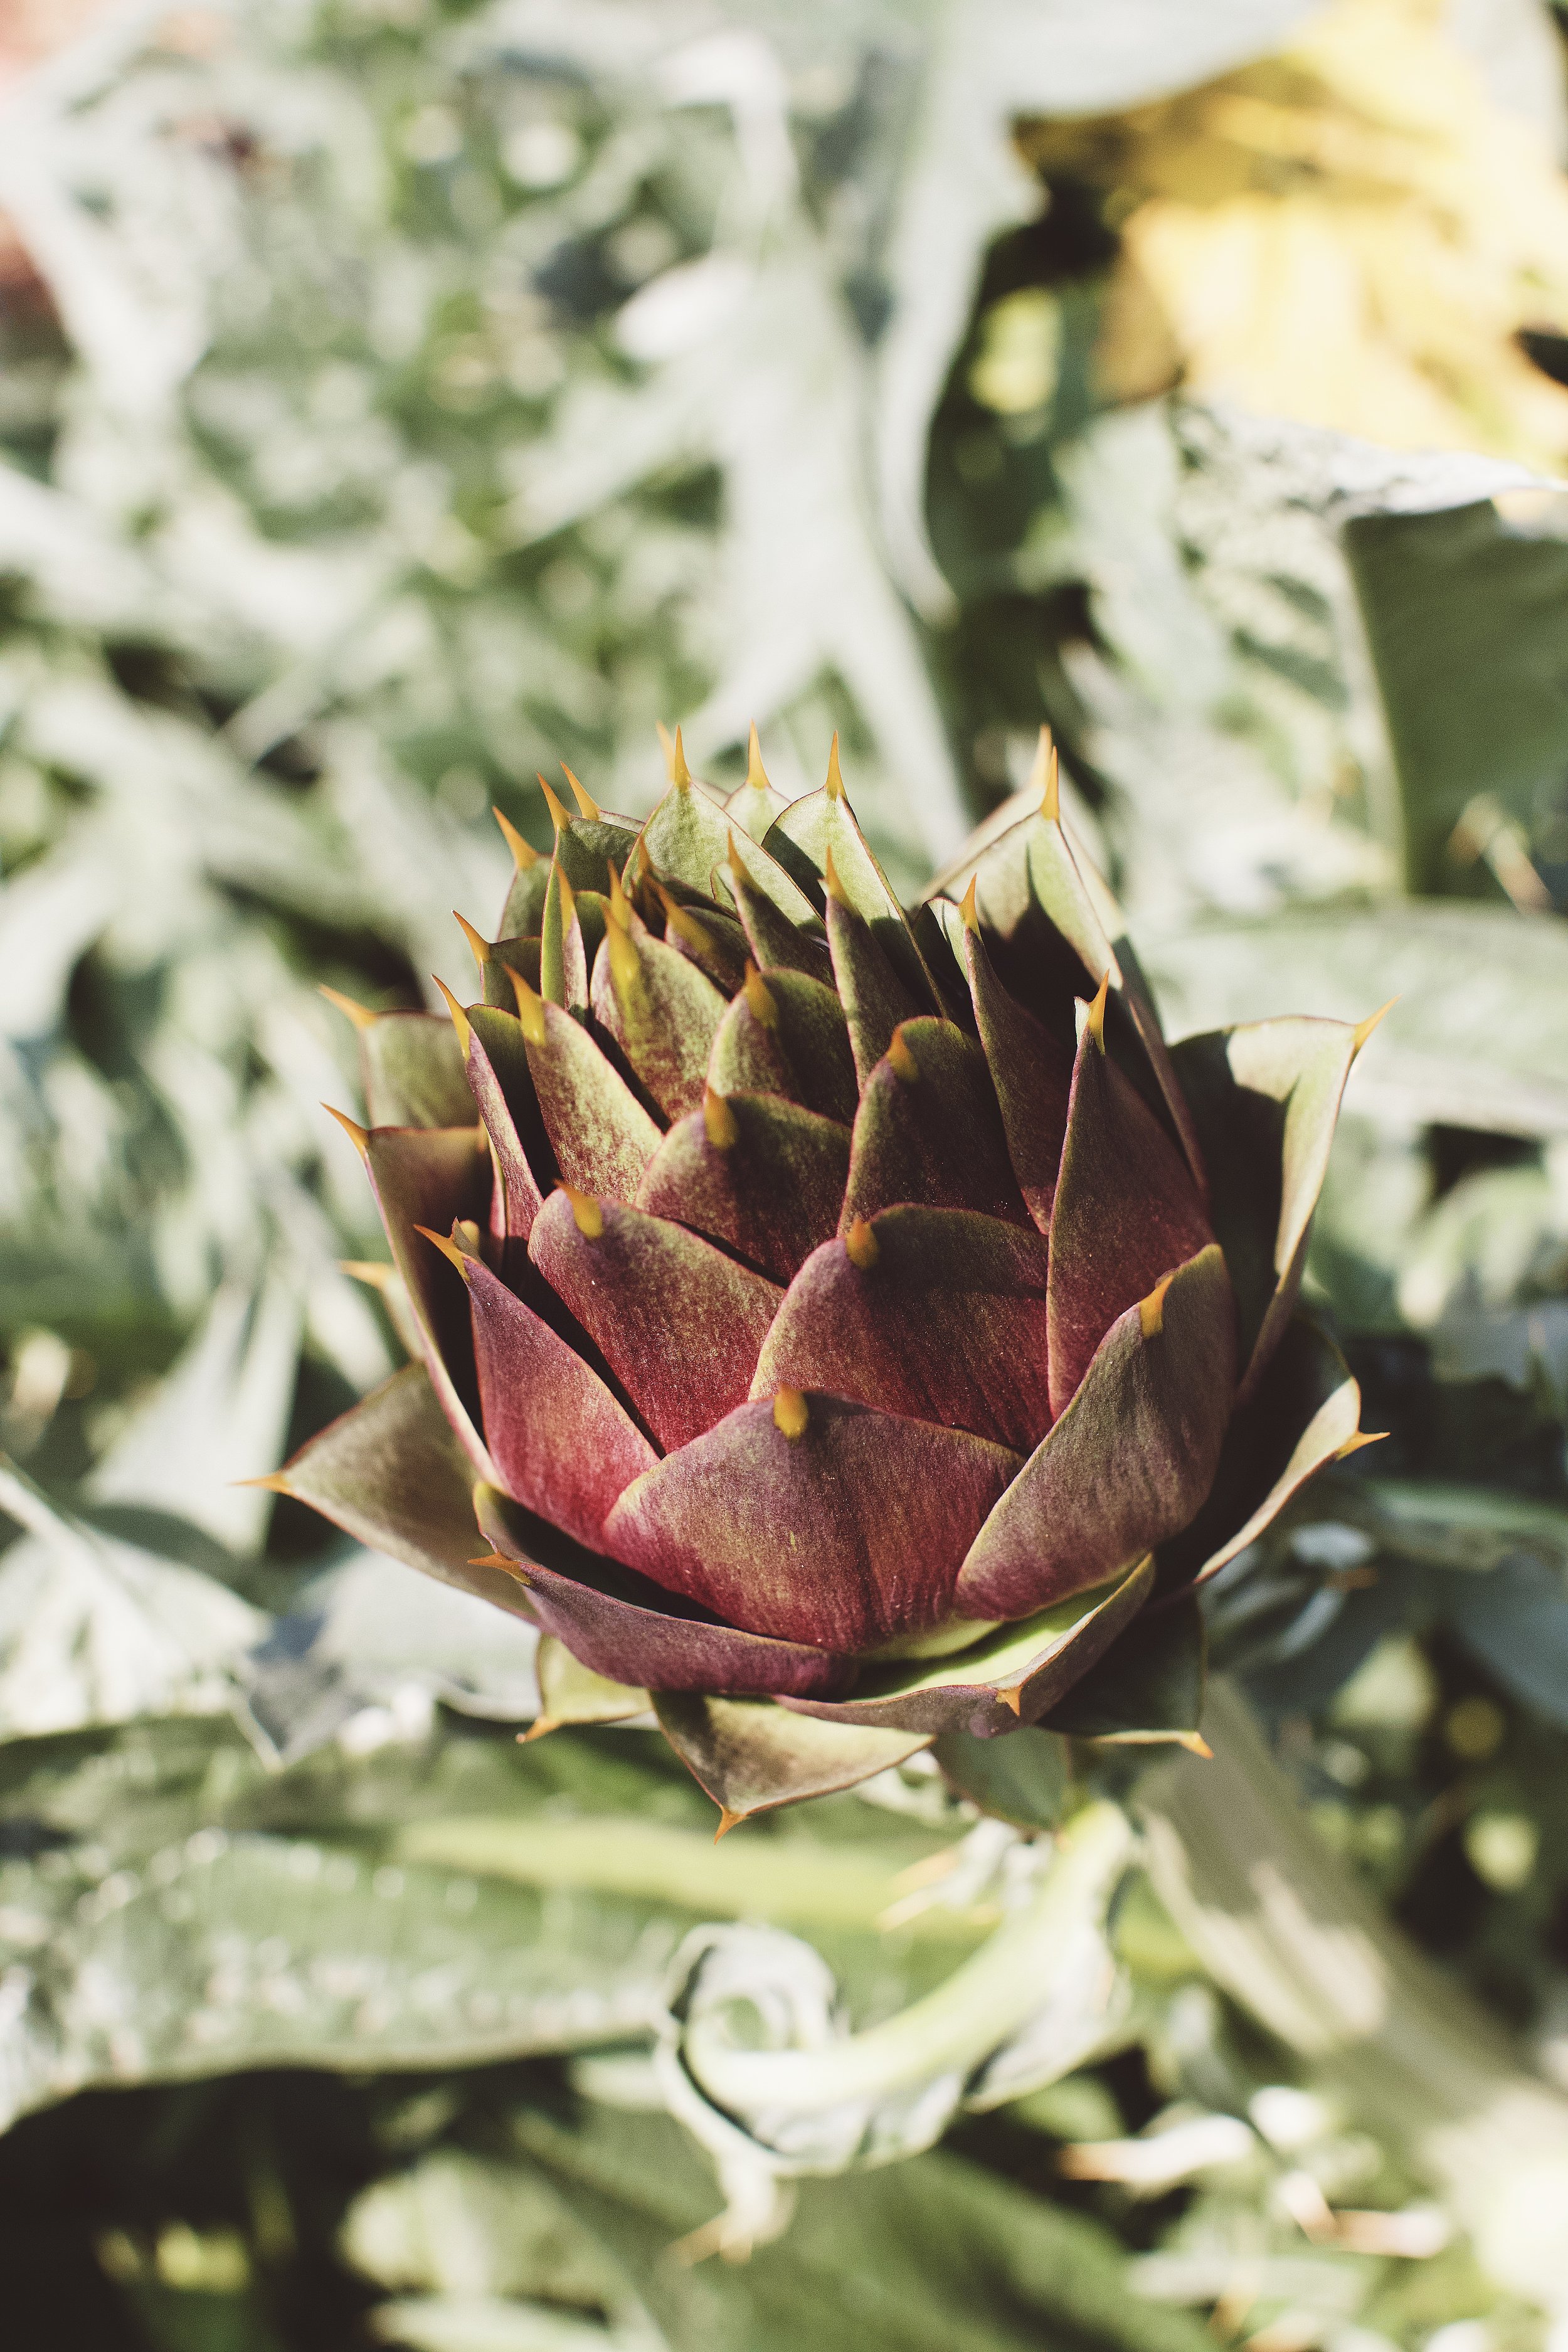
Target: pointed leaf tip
(587,806)
(620,905)
(899,1057)
(756,774)
(559,814)
(1362,1437)
(586,1213)
(568,900)
(360,1015)
(969,908)
(275,1482)
(861,1246)
(1196,1745)
(625,964)
(1364,1029)
(357,1135)
(540,1729)
(832,880)
(480,944)
(834,784)
(760,997)
(675,765)
(1045,778)
(791,1413)
(1152,1311)
(718,1119)
(523,853)
(727,1822)
(496,1559)
(372,1271)
(448,1249)
(460,1018)
(1097,1010)
(1012,1697)
(530,1007)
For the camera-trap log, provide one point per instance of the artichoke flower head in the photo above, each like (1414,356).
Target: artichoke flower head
(848,1329)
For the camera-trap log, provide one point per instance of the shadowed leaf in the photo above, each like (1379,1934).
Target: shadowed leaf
(1127,1462)
(750,1757)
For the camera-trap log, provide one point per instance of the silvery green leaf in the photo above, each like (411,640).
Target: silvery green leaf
(370,1632)
(1479,1037)
(220,1416)
(223,1950)
(94,1629)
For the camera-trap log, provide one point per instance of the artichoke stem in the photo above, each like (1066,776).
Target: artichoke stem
(1286,1929)
(953,2030)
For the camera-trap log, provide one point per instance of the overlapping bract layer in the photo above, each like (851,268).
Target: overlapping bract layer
(850,1327)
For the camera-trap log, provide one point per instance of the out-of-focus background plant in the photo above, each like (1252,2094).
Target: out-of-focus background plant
(397,398)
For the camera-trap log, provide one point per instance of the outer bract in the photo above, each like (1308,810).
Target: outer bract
(847,1328)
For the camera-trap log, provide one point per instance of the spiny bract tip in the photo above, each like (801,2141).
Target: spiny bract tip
(790,1414)
(357,1135)
(460,1022)
(477,941)
(448,1249)
(523,853)
(360,1015)
(587,806)
(559,814)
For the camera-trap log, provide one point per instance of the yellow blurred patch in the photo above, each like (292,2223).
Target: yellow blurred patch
(1350,233)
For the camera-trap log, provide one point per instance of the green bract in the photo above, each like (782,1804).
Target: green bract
(846,1327)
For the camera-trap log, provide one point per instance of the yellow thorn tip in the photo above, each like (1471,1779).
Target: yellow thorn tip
(360,1015)
(727,1822)
(587,806)
(833,881)
(756,774)
(900,1057)
(530,1007)
(719,1121)
(860,1245)
(559,812)
(834,784)
(480,944)
(760,997)
(1363,1437)
(1045,778)
(1013,1698)
(523,853)
(275,1482)
(790,1414)
(460,1022)
(675,765)
(969,909)
(1152,1311)
(357,1135)
(448,1249)
(1097,1010)
(625,964)
(587,1211)
(372,1271)
(1364,1029)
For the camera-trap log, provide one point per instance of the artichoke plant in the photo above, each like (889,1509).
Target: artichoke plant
(848,1330)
